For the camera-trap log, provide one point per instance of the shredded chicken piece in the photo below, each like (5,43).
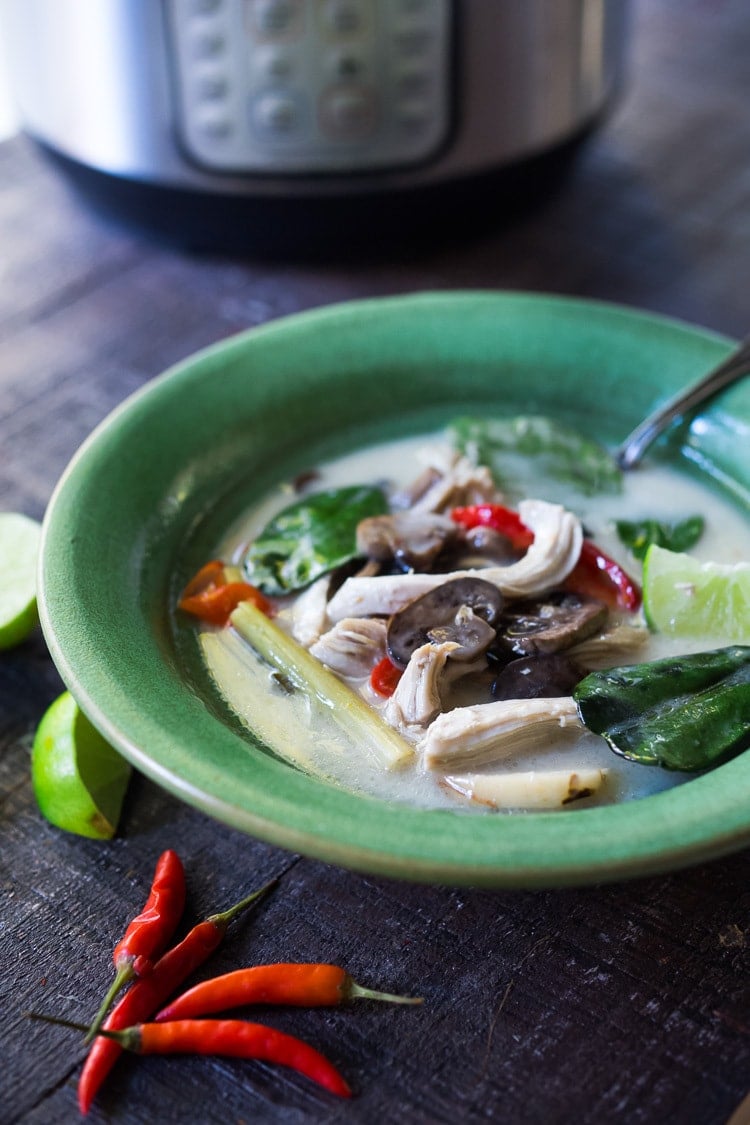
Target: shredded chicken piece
(610,646)
(449,480)
(416,700)
(408,497)
(456,670)
(310,618)
(352,646)
(550,558)
(558,538)
(486,732)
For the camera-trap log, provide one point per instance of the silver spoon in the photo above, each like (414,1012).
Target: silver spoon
(735,366)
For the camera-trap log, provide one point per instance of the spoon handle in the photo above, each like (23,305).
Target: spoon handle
(732,368)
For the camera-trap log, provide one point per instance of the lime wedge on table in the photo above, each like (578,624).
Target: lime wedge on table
(79,780)
(19,548)
(688,598)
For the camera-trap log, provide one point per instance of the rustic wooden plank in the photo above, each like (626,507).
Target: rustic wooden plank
(513,992)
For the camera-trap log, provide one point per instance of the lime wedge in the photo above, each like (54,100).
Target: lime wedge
(19,548)
(79,780)
(688,598)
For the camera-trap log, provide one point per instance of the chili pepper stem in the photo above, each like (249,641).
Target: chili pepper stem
(128,1037)
(356,991)
(123,976)
(222,920)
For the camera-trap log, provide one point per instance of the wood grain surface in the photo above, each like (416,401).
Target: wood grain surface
(626,1003)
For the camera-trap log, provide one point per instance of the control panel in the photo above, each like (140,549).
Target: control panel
(311,86)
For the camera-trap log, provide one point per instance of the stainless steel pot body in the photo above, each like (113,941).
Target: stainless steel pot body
(310,98)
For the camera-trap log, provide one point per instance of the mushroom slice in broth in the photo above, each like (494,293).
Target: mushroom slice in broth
(550,623)
(412,540)
(543,675)
(462,611)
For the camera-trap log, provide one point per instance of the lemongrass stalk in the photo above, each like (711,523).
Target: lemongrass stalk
(348,710)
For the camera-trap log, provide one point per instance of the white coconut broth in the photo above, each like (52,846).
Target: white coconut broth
(297,728)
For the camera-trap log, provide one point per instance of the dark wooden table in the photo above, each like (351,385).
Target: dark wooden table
(625,1003)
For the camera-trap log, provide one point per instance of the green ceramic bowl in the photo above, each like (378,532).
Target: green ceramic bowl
(147,497)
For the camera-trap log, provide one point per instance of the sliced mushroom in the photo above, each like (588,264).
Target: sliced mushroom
(549,675)
(479,548)
(471,633)
(462,611)
(491,544)
(487,732)
(548,561)
(530,789)
(550,624)
(411,539)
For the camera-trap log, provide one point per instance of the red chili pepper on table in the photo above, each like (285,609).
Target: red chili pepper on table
(300,985)
(595,574)
(147,935)
(149,993)
(230,1038)
(213,597)
(236,1039)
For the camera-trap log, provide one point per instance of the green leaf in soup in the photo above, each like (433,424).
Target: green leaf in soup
(639,535)
(310,537)
(525,450)
(682,713)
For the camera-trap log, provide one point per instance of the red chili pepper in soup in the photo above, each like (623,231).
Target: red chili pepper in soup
(212,597)
(499,518)
(599,576)
(595,574)
(384,677)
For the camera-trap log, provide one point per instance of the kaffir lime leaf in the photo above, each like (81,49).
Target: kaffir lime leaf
(79,779)
(688,598)
(19,549)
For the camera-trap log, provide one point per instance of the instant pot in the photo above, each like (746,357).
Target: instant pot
(300,125)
